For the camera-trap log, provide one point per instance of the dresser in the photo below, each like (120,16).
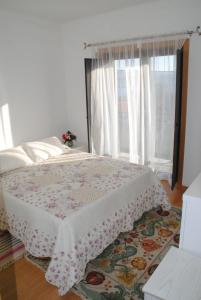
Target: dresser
(178,277)
(190,235)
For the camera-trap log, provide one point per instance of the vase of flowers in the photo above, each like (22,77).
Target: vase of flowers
(68,138)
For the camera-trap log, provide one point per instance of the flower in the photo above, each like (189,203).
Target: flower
(64,137)
(118,249)
(163,213)
(126,277)
(165,232)
(68,138)
(134,234)
(139,263)
(172,223)
(95,278)
(150,245)
(128,240)
(104,262)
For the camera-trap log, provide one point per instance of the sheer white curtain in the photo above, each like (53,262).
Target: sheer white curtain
(133,101)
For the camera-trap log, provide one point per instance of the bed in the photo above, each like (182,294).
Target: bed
(70,208)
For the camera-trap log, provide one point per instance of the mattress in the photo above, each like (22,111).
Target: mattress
(70,208)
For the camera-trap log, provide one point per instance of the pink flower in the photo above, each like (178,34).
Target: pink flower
(64,136)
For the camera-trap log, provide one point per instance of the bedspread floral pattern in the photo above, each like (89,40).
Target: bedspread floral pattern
(38,243)
(91,245)
(62,188)
(60,197)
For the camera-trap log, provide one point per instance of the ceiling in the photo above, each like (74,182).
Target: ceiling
(65,10)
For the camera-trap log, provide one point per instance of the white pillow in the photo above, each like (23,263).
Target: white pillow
(53,140)
(44,149)
(13,158)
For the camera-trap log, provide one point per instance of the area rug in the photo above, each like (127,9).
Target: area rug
(11,249)
(120,272)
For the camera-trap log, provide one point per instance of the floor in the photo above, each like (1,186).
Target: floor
(23,281)
(175,196)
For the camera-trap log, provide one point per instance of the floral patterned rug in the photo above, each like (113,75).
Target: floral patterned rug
(120,272)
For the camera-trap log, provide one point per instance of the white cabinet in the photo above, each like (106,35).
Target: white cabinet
(190,237)
(150,297)
(178,277)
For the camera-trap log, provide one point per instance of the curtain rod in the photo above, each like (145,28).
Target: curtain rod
(189,33)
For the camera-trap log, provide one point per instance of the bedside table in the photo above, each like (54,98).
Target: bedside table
(82,148)
(178,277)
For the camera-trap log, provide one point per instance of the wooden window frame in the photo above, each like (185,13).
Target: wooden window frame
(183,110)
(183,107)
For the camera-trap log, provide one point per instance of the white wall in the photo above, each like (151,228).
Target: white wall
(43,83)
(31,76)
(192,161)
(155,17)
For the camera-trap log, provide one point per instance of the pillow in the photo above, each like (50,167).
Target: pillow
(13,158)
(44,149)
(56,142)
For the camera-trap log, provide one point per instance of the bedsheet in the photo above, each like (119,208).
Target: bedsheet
(72,207)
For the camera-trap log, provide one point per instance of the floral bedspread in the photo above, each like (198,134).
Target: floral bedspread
(71,207)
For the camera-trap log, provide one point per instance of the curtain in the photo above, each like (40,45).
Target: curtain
(178,116)
(133,89)
(88,64)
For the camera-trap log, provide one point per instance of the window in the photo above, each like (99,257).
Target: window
(162,81)
(6,140)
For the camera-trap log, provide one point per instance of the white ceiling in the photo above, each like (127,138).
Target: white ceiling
(65,10)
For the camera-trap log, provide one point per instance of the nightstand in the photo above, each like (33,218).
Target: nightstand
(82,148)
(178,277)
